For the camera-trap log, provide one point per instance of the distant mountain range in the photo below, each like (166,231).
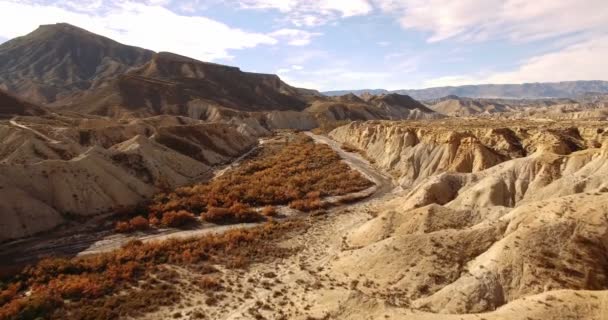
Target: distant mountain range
(568,89)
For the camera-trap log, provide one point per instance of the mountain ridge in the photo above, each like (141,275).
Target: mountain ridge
(536,90)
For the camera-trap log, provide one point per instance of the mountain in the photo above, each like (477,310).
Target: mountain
(388,107)
(357,92)
(568,89)
(173,84)
(12,106)
(56,61)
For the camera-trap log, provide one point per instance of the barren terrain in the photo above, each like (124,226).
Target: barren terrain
(156,186)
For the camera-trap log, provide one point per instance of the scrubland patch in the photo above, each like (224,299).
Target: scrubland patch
(136,279)
(297,172)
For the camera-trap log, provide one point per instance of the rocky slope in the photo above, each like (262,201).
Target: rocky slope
(59,166)
(172,84)
(351,107)
(491,215)
(11,106)
(414,151)
(54,62)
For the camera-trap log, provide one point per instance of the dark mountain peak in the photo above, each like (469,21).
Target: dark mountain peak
(56,61)
(62,27)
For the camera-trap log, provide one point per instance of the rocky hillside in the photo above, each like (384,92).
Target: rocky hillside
(60,166)
(172,84)
(11,106)
(415,151)
(57,61)
(493,215)
(351,107)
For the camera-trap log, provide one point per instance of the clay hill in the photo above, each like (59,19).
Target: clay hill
(54,166)
(57,61)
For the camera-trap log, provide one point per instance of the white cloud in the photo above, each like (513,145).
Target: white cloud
(290,69)
(312,12)
(148,26)
(519,20)
(295,37)
(583,61)
(344,78)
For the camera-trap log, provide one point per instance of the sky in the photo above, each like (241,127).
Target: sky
(352,44)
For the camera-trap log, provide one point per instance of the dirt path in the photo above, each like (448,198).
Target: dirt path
(37,133)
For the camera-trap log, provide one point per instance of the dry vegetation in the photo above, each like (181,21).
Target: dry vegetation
(280,174)
(135,279)
(298,173)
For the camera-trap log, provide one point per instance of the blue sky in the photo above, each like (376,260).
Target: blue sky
(353,44)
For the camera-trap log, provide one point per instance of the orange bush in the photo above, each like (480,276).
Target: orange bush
(306,205)
(177,219)
(9,293)
(139,223)
(237,213)
(123,227)
(269,211)
(76,287)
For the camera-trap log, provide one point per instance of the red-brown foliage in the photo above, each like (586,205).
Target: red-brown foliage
(177,219)
(269,211)
(237,213)
(138,223)
(306,205)
(91,284)
(278,175)
(123,227)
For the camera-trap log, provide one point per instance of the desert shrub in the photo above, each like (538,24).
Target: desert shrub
(306,205)
(35,306)
(176,219)
(123,227)
(269,211)
(76,287)
(139,223)
(237,213)
(121,283)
